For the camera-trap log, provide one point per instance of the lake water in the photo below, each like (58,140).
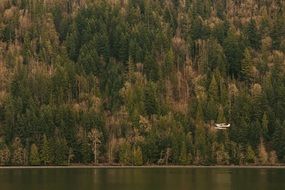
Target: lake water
(143,179)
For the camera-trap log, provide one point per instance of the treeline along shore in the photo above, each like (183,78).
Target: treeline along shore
(142,82)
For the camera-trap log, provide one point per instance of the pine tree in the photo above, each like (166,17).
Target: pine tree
(61,151)
(95,138)
(262,153)
(250,155)
(169,63)
(273,158)
(246,66)
(183,158)
(34,156)
(253,35)
(45,151)
(221,117)
(138,158)
(85,151)
(18,156)
(150,102)
(213,89)
(189,146)
(265,123)
(200,143)
(89,58)
(4,155)
(199,113)
(211,111)
(279,140)
(234,53)
(125,153)
(151,69)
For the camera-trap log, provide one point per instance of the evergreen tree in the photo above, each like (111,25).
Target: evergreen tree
(262,153)
(34,156)
(234,53)
(246,66)
(150,102)
(45,151)
(19,153)
(151,76)
(265,123)
(95,138)
(85,151)
(138,158)
(125,154)
(250,155)
(253,36)
(200,144)
(211,111)
(4,155)
(221,117)
(89,58)
(213,89)
(279,140)
(151,68)
(183,158)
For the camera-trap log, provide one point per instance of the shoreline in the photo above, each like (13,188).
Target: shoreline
(143,167)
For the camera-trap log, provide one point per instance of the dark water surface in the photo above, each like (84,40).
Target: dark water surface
(143,179)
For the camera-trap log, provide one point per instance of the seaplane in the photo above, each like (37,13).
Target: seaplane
(222,126)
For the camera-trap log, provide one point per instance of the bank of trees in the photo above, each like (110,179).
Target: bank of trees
(142,82)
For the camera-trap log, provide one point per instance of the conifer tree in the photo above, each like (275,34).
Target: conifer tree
(246,66)
(45,151)
(95,138)
(265,123)
(138,158)
(250,155)
(262,153)
(19,153)
(150,102)
(253,35)
(213,89)
(183,158)
(34,155)
(4,155)
(125,153)
(221,117)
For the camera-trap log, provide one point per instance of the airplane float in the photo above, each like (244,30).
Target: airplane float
(222,126)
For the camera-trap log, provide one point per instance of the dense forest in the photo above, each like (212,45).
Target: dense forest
(141,82)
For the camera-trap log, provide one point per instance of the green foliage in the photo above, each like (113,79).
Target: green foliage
(125,154)
(221,117)
(183,158)
(213,89)
(200,144)
(89,58)
(138,158)
(279,140)
(34,156)
(85,151)
(234,53)
(19,154)
(253,36)
(250,155)
(45,153)
(153,76)
(60,151)
(150,101)
(246,65)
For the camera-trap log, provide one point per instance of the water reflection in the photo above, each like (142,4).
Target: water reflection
(142,179)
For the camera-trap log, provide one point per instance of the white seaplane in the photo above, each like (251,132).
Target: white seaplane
(222,126)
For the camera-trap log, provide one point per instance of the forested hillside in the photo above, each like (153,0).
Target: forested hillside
(137,82)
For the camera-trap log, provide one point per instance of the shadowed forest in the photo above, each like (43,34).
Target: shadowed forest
(141,82)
